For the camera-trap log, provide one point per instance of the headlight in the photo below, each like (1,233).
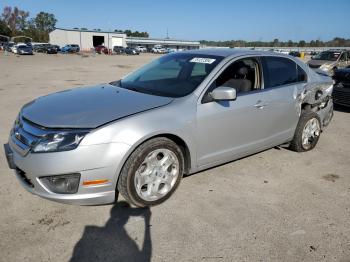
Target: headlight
(59,142)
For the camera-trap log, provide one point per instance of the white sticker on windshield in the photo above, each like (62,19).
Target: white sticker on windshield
(202,60)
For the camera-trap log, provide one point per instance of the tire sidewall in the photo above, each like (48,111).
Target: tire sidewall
(136,160)
(304,119)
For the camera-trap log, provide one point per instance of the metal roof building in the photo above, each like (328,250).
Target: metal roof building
(167,42)
(88,39)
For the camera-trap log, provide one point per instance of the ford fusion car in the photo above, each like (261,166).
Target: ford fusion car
(330,60)
(180,114)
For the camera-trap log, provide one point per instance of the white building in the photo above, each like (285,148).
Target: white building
(88,39)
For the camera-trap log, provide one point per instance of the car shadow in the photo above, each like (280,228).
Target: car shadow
(112,242)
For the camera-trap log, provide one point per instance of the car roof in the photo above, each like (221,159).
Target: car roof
(226,52)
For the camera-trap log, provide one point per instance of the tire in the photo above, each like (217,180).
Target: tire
(297,142)
(148,159)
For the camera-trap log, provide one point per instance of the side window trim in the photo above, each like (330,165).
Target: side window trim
(209,86)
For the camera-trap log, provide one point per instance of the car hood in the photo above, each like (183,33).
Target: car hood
(89,107)
(320,62)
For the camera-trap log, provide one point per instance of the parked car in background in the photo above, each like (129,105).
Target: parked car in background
(141,49)
(36,47)
(294,53)
(70,49)
(180,114)
(101,49)
(8,46)
(15,48)
(131,51)
(24,50)
(170,50)
(57,47)
(118,50)
(45,48)
(158,49)
(281,51)
(328,61)
(341,91)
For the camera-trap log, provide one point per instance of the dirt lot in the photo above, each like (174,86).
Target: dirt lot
(274,206)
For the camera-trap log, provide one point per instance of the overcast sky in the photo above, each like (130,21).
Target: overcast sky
(210,20)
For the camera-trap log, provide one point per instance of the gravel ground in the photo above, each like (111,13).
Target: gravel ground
(273,206)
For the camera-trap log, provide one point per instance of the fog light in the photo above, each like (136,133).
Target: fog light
(62,184)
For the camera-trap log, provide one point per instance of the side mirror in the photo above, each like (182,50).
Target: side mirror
(223,93)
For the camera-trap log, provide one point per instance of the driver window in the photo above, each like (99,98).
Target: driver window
(243,75)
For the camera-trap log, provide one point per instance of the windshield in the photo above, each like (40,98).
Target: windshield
(173,75)
(327,55)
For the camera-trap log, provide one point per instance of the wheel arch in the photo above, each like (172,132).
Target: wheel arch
(175,138)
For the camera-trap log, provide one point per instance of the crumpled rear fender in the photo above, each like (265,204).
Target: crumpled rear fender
(317,97)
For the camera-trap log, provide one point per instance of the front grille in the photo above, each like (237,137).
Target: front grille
(341,95)
(25,135)
(22,175)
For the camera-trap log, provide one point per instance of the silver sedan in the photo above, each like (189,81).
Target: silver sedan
(182,113)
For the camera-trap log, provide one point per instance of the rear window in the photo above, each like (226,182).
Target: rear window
(280,71)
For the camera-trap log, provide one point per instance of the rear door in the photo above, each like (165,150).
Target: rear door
(283,81)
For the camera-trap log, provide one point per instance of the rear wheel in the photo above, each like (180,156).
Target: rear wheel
(152,172)
(307,132)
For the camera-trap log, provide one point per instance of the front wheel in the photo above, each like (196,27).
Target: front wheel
(152,172)
(307,133)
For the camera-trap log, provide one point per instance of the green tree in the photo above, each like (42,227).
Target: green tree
(44,23)
(302,43)
(4,29)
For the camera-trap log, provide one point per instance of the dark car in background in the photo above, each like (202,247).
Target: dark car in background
(46,48)
(7,47)
(295,53)
(39,48)
(118,49)
(131,51)
(57,47)
(341,90)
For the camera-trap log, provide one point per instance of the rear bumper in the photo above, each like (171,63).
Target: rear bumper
(326,113)
(93,162)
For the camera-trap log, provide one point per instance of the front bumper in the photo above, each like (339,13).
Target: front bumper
(94,162)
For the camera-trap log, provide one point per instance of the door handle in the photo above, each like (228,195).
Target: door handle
(259,104)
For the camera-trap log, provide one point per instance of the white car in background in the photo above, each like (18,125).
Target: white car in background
(141,49)
(281,51)
(159,49)
(14,48)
